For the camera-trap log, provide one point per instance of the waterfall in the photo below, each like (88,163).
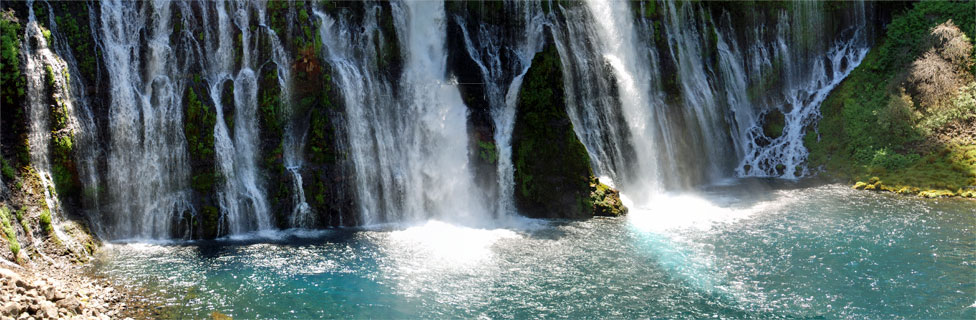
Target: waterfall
(295,134)
(39,58)
(440,184)
(242,198)
(486,47)
(48,87)
(370,111)
(665,96)
(631,69)
(81,120)
(650,130)
(147,160)
(409,149)
(807,85)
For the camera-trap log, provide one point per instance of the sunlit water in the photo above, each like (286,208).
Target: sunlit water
(738,251)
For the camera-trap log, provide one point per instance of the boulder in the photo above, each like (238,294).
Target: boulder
(10,308)
(48,310)
(552,167)
(71,304)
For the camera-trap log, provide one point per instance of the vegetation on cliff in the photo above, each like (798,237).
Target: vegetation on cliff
(553,177)
(904,119)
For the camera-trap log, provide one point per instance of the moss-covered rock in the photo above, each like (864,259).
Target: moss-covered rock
(553,178)
(773,123)
(199,119)
(606,200)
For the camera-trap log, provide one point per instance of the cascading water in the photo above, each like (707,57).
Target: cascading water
(242,198)
(147,160)
(803,92)
(662,101)
(366,95)
(409,151)
(81,120)
(48,88)
(632,71)
(485,46)
(647,141)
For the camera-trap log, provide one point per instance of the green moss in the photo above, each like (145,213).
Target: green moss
(270,104)
(277,12)
(487,152)
(12,84)
(47,36)
(49,75)
(773,123)
(199,125)
(8,171)
(73,24)
(605,200)
(199,122)
(63,168)
(210,221)
(23,222)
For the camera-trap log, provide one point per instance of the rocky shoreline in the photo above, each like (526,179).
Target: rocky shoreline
(67,291)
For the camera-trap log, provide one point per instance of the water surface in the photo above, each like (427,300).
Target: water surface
(731,252)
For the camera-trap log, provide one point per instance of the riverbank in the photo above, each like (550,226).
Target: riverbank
(61,290)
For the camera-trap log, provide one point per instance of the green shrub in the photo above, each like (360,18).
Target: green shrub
(45,221)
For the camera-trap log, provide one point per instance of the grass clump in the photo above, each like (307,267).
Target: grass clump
(45,221)
(8,231)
